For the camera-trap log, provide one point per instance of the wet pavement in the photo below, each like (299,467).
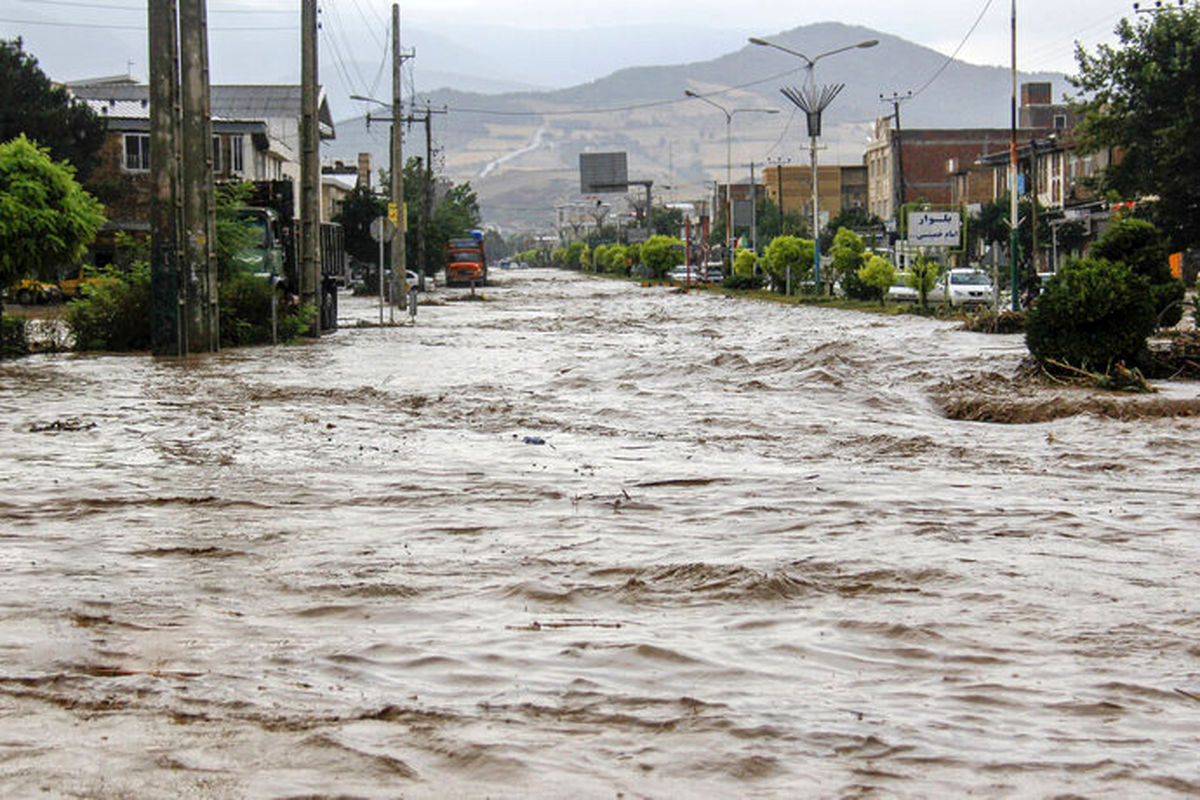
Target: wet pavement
(750,557)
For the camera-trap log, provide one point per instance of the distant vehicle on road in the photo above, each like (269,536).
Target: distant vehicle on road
(901,291)
(465,262)
(28,292)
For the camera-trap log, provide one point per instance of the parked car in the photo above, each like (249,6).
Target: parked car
(685,274)
(966,287)
(900,291)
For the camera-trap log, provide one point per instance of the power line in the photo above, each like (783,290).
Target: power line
(952,56)
(142,9)
(93,26)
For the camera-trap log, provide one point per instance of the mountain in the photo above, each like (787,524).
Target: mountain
(520,150)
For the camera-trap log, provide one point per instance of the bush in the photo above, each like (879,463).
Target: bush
(742,282)
(789,251)
(744,262)
(660,253)
(115,315)
(14,337)
(1092,314)
(856,288)
(1139,245)
(877,275)
(246,313)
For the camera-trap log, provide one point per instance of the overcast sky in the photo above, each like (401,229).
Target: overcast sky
(1046,30)
(70,36)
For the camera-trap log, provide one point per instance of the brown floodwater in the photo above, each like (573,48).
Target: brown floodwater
(751,557)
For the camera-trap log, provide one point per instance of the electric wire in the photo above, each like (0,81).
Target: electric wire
(94,26)
(950,58)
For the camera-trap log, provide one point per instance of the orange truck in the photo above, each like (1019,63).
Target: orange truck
(466,264)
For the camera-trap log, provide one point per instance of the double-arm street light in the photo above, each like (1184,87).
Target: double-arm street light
(813,103)
(728,112)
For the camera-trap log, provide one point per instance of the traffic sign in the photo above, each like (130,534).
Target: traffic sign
(382,229)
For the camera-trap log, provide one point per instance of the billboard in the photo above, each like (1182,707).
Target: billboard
(601,173)
(935,228)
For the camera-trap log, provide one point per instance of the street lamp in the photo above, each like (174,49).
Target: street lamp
(728,112)
(813,103)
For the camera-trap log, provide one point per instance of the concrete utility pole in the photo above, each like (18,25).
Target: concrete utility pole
(896,99)
(426,190)
(399,256)
(779,161)
(1014,239)
(310,165)
(199,212)
(168,333)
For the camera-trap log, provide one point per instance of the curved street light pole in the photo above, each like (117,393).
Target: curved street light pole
(813,132)
(728,112)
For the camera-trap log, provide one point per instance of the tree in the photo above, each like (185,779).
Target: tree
(667,221)
(789,255)
(1137,101)
(660,253)
(745,262)
(359,208)
(923,276)
(46,218)
(848,253)
(879,274)
(858,220)
(45,113)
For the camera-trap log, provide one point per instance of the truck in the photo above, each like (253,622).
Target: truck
(466,264)
(276,252)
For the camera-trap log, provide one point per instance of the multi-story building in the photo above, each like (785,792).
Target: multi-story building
(946,166)
(839,187)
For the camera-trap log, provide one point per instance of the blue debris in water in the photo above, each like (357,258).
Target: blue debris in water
(534,440)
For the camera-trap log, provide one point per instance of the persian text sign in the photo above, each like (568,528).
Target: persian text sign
(934,228)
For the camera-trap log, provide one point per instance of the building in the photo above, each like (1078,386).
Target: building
(256,136)
(945,166)
(839,187)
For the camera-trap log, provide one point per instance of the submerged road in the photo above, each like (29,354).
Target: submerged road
(748,558)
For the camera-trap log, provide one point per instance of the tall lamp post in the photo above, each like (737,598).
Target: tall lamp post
(812,103)
(728,112)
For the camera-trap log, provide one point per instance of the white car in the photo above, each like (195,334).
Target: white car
(967,287)
(900,291)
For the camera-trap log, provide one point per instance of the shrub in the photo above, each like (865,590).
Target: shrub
(744,262)
(1092,314)
(743,282)
(14,337)
(115,313)
(1139,245)
(246,313)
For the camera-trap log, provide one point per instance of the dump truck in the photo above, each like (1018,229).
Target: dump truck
(466,264)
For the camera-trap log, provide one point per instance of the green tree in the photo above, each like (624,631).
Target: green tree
(1137,100)
(667,221)
(878,274)
(1138,245)
(745,262)
(769,225)
(923,276)
(359,209)
(660,253)
(45,113)
(789,253)
(848,253)
(46,218)
(858,220)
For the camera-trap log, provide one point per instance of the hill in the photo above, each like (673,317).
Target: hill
(520,149)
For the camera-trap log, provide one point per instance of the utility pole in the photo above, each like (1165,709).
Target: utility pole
(896,99)
(753,212)
(426,190)
(200,273)
(779,162)
(310,165)
(1014,240)
(399,256)
(168,331)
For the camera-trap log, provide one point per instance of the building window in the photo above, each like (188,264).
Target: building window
(236,154)
(1060,121)
(217,167)
(137,152)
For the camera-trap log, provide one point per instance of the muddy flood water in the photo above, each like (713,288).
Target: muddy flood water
(749,557)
